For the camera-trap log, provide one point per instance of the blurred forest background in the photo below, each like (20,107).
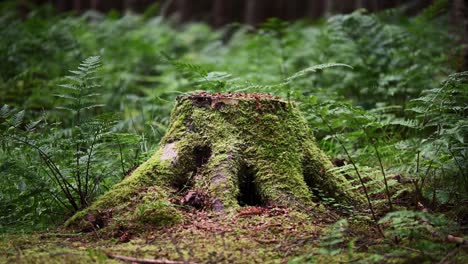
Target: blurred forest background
(221,12)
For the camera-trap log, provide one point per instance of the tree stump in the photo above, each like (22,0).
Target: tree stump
(222,151)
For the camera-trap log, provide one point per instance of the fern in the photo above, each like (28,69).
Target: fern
(17,119)
(80,90)
(409,123)
(313,69)
(5,112)
(331,242)
(413,225)
(75,160)
(440,115)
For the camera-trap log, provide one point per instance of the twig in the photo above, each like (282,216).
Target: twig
(266,241)
(147,261)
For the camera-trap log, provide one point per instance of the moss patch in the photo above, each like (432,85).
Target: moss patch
(243,235)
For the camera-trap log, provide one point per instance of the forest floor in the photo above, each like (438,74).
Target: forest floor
(247,235)
(252,235)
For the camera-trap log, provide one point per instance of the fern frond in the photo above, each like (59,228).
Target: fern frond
(66,96)
(410,123)
(259,87)
(76,79)
(417,109)
(5,112)
(18,119)
(314,68)
(79,91)
(186,67)
(69,86)
(92,62)
(78,72)
(32,125)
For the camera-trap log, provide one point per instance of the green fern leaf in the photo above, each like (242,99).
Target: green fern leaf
(410,123)
(5,112)
(18,119)
(32,125)
(314,69)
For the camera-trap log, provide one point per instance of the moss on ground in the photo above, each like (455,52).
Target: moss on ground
(243,235)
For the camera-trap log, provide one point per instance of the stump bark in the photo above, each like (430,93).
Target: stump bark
(222,151)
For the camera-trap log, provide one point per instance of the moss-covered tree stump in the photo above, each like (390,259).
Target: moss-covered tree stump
(222,151)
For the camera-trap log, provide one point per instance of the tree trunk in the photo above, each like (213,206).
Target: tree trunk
(315,8)
(256,11)
(223,151)
(459,19)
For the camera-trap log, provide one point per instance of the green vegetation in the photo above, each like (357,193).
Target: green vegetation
(84,100)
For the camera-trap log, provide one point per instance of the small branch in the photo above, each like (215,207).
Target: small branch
(147,261)
(266,241)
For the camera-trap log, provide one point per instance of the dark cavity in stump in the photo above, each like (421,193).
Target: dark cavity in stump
(248,190)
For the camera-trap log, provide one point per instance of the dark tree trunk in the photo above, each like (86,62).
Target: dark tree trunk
(257,11)
(81,5)
(459,20)
(315,8)
(415,6)
(64,5)
(348,6)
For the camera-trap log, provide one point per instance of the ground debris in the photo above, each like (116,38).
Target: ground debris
(147,261)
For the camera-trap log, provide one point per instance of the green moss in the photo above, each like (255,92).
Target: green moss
(210,143)
(159,213)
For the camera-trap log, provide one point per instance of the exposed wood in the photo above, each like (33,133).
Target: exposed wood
(457,240)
